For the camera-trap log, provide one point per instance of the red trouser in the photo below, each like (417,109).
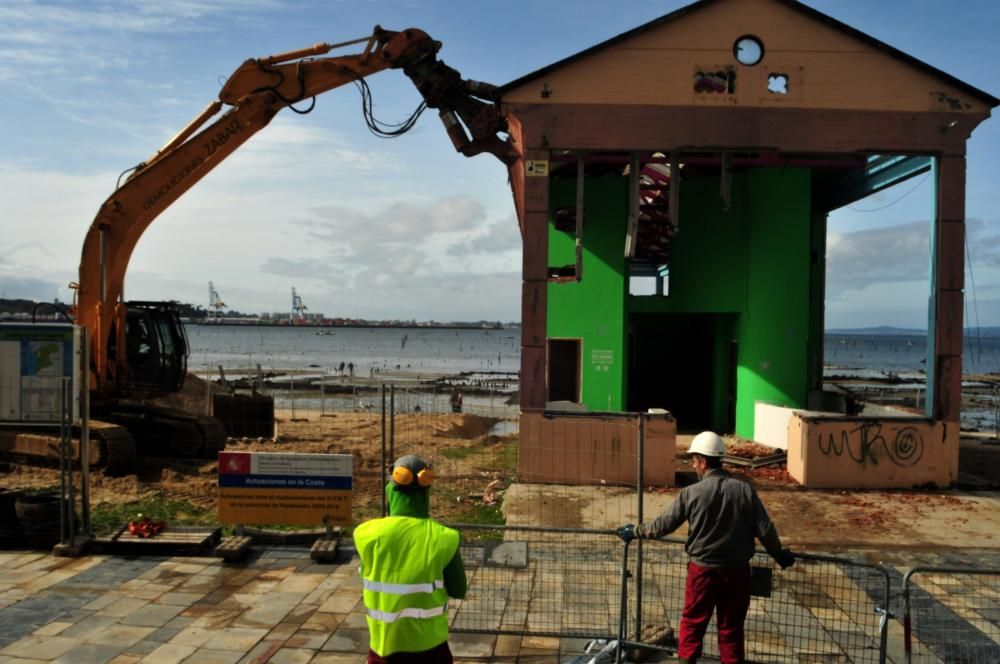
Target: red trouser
(725,590)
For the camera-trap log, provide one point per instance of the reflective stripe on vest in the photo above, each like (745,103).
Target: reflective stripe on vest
(390,617)
(402,588)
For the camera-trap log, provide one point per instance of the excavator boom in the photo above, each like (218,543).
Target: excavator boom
(254,93)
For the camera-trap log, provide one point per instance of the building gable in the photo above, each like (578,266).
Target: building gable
(809,61)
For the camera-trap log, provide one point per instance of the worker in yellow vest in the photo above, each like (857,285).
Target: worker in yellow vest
(410,566)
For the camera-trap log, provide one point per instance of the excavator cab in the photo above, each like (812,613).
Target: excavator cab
(156,347)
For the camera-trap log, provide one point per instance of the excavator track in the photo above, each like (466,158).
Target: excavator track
(169,432)
(112,447)
(115,442)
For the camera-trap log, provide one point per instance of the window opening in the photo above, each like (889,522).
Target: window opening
(564,370)
(777,84)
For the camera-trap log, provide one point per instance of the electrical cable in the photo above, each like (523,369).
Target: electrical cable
(915,187)
(975,304)
(300,77)
(118,184)
(58,307)
(378,127)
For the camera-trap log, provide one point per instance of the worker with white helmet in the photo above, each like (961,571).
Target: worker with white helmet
(724,516)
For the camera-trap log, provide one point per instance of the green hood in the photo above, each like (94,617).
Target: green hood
(408,503)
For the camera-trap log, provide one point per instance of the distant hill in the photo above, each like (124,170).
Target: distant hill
(911,331)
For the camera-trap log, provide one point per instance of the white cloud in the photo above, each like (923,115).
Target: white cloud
(868,259)
(500,236)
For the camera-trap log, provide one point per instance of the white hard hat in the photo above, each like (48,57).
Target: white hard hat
(709,444)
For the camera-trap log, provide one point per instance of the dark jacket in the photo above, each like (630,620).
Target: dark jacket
(724,516)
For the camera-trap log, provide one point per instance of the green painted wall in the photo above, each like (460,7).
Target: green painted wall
(753,269)
(593,309)
(773,327)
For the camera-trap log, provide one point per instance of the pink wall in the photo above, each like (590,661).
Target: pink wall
(599,448)
(836,451)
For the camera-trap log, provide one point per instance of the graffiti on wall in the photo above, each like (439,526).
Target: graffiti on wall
(868,444)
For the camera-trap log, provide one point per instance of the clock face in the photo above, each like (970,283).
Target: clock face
(749,50)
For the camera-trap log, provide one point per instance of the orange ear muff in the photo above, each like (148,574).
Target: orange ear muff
(425,477)
(402,475)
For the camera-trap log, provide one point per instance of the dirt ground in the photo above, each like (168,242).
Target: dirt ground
(474,469)
(466,459)
(807,519)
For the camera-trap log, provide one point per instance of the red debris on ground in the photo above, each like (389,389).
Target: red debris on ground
(747,450)
(778,474)
(146,527)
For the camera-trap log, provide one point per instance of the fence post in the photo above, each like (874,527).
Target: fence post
(623,604)
(85,431)
(65,462)
(640,476)
(907,626)
(383,464)
(883,624)
(392,422)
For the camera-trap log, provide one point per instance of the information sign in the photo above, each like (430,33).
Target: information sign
(34,361)
(287,489)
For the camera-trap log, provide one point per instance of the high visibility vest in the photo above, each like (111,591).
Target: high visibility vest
(403,562)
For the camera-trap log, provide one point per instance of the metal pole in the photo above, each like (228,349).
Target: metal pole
(639,518)
(383,464)
(883,625)
(392,422)
(322,394)
(907,625)
(71,491)
(85,431)
(62,463)
(208,389)
(622,604)
(291,394)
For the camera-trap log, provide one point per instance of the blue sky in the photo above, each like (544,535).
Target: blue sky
(376,228)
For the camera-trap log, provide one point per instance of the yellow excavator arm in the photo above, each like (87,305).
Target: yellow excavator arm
(255,93)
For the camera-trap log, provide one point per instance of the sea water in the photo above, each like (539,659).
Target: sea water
(442,351)
(398,355)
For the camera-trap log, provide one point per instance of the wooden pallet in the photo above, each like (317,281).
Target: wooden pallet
(233,548)
(177,540)
(325,550)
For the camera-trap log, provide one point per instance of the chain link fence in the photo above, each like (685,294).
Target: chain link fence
(571,583)
(824,608)
(951,615)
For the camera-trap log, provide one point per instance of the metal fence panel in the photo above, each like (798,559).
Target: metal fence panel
(822,609)
(540,581)
(951,615)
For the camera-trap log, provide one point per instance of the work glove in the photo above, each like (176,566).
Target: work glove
(626,532)
(785,559)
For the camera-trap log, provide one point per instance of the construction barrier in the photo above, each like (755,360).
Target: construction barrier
(539,581)
(570,583)
(951,615)
(830,608)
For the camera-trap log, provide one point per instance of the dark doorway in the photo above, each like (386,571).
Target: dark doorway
(564,370)
(672,365)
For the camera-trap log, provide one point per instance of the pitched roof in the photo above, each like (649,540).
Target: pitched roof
(679,14)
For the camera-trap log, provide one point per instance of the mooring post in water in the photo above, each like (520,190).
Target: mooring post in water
(322,394)
(208,389)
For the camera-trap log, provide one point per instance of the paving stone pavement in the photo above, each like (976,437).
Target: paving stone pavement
(279,607)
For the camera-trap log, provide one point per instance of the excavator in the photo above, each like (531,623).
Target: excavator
(138,350)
